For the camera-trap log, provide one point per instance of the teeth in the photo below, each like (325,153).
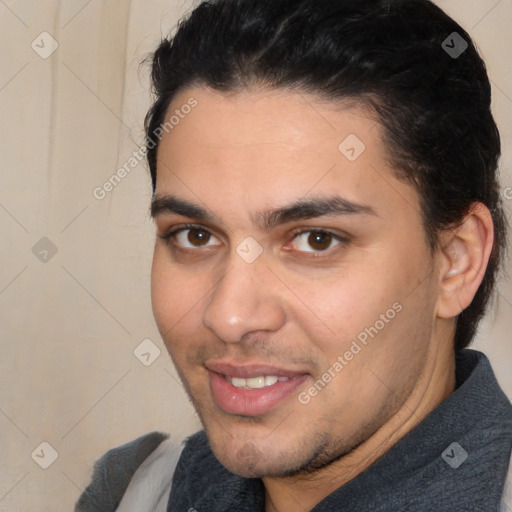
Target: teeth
(238,383)
(256,382)
(270,380)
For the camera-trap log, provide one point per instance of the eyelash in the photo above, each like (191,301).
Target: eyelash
(172,232)
(343,240)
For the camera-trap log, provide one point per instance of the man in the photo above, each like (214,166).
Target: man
(328,235)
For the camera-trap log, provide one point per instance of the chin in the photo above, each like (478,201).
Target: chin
(254,457)
(264,457)
(259,469)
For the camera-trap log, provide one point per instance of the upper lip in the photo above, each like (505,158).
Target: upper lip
(246,371)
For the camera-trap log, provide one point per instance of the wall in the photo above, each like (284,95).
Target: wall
(74,278)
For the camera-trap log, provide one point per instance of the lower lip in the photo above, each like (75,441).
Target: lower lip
(246,402)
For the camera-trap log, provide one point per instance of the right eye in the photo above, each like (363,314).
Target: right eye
(190,237)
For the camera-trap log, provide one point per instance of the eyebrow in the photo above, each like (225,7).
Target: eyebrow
(161,205)
(298,210)
(310,209)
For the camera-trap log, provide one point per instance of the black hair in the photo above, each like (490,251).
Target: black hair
(413,65)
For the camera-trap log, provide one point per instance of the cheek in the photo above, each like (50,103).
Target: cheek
(371,305)
(161,290)
(178,298)
(340,307)
(172,294)
(368,360)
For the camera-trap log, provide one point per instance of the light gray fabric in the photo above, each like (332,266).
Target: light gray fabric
(114,471)
(151,484)
(506,499)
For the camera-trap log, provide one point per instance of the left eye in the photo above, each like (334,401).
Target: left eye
(316,241)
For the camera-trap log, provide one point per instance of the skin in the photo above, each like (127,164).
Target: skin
(301,303)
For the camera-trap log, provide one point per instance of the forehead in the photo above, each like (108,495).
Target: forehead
(259,149)
(265,121)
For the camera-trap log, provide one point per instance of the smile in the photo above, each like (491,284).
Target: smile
(260,382)
(251,390)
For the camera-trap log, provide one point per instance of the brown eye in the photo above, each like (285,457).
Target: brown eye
(190,238)
(316,241)
(319,241)
(198,236)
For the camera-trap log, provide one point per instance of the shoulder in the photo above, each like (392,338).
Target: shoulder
(113,472)
(506,499)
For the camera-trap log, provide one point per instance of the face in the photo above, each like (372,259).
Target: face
(292,283)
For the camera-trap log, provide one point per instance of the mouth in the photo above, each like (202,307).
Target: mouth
(251,390)
(262,381)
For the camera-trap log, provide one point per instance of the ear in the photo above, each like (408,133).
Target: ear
(464,255)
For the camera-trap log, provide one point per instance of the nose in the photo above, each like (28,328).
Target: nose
(246,299)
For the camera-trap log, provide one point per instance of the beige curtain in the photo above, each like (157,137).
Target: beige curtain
(82,367)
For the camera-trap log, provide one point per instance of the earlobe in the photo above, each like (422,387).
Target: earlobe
(464,255)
